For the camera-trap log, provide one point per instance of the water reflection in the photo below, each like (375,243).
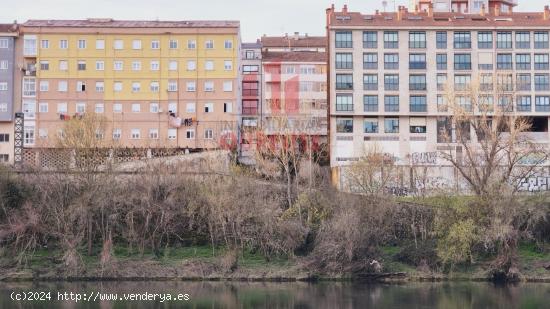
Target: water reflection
(292,295)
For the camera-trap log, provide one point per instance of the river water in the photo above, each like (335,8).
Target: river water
(272,295)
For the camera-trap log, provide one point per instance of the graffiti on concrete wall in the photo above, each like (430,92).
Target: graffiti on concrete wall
(536,182)
(424,158)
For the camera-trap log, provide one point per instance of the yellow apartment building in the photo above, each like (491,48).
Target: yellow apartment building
(159,84)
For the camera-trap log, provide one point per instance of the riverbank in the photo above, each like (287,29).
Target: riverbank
(201,263)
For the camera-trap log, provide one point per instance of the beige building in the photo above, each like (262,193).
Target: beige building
(388,71)
(159,84)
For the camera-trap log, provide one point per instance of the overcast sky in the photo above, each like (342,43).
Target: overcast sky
(271,17)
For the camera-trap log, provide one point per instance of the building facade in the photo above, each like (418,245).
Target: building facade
(388,73)
(294,85)
(159,84)
(251,95)
(8,73)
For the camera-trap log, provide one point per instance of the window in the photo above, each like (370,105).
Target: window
(117,86)
(208,134)
(81,44)
(505,82)
(81,65)
(42,107)
(541,62)
(370,61)
(462,40)
(136,107)
(463,62)
(99,108)
(100,44)
(4,65)
(441,40)
(344,125)
(44,86)
(417,125)
(190,107)
(155,65)
(417,39)
(136,65)
(63,44)
(118,65)
(462,82)
(4,43)
(99,87)
(209,65)
(63,65)
(441,60)
(370,82)
(485,40)
(29,87)
(486,82)
(190,134)
(418,104)
(227,86)
(523,61)
(172,134)
(28,135)
(370,103)
(344,81)
(191,65)
(417,82)
(117,133)
(44,44)
(209,44)
(118,44)
(62,108)
(542,104)
(391,103)
(391,125)
(228,44)
(29,108)
(391,61)
(208,86)
(370,125)
(154,133)
(523,103)
(542,82)
(391,39)
(100,65)
(523,82)
(155,44)
(154,87)
(504,61)
(370,39)
(62,86)
(541,39)
(117,108)
(344,102)
(191,44)
(523,40)
(391,82)
(227,107)
(173,44)
(80,108)
(441,81)
(3,107)
(80,86)
(135,134)
(250,69)
(4,138)
(136,44)
(191,86)
(136,87)
(172,85)
(344,39)
(417,61)
(344,61)
(504,40)
(250,88)
(228,65)
(441,104)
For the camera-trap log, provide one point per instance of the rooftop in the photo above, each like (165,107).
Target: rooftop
(294,41)
(405,19)
(294,56)
(111,23)
(8,28)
